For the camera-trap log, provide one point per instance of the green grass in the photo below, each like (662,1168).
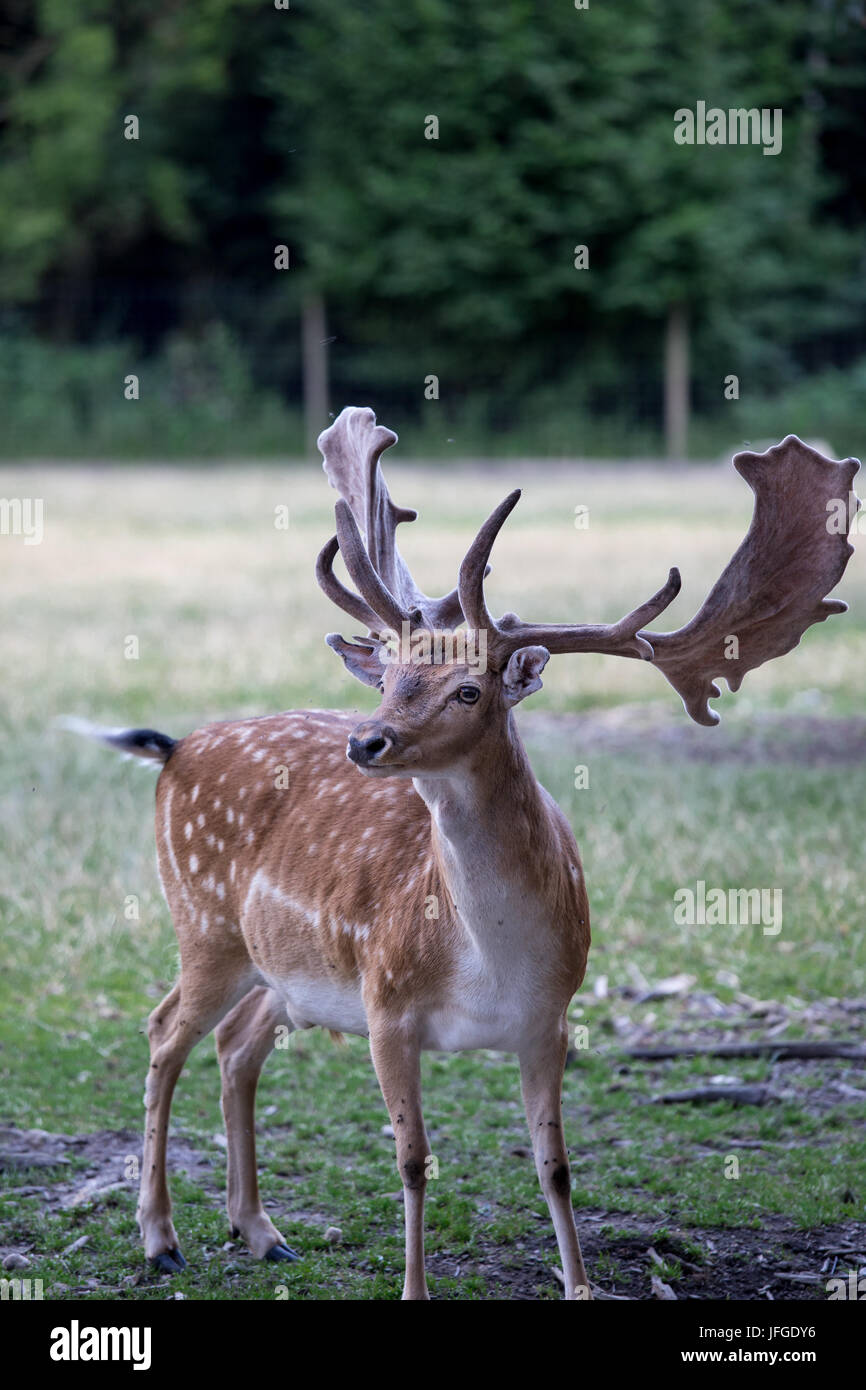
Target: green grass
(229,622)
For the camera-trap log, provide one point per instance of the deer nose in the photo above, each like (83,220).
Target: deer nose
(367,745)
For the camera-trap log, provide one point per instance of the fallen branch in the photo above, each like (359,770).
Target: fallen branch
(738,1095)
(16,1159)
(76,1245)
(782,1051)
(662,1290)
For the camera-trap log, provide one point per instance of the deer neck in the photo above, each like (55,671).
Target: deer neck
(493,839)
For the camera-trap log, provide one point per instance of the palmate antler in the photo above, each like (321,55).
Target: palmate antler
(772,590)
(774,587)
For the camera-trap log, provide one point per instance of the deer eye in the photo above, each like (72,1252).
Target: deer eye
(468,694)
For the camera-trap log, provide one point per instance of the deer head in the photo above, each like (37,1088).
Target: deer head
(447,695)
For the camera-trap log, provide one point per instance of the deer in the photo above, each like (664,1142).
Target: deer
(300,853)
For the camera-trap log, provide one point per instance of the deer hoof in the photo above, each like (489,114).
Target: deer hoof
(169,1261)
(282,1252)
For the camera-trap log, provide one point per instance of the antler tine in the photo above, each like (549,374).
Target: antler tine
(446,612)
(337,591)
(470,586)
(510,633)
(385,608)
(615,639)
(630,626)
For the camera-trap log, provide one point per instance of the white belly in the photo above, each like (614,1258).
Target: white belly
(458,1030)
(483,1011)
(312,1002)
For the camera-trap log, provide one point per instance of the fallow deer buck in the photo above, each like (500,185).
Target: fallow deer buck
(307,902)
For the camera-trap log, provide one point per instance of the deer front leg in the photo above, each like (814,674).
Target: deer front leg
(541,1069)
(245,1040)
(396,1057)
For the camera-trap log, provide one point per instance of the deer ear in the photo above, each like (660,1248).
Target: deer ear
(361,659)
(522,675)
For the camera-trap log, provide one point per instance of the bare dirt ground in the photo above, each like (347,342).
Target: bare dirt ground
(776,1262)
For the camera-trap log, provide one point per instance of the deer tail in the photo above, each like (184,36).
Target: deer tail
(135,743)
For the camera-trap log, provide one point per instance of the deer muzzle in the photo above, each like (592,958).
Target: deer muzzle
(370,743)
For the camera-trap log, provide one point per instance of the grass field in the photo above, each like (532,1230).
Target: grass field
(229,622)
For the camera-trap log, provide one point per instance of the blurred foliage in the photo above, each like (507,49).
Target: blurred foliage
(201,399)
(453,256)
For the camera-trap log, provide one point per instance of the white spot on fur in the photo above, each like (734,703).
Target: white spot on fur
(262,886)
(166,828)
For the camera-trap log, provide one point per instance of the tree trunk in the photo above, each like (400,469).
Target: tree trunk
(677,383)
(315,368)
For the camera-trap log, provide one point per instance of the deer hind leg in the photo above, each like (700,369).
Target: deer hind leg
(541,1071)
(396,1058)
(186,1015)
(244,1041)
